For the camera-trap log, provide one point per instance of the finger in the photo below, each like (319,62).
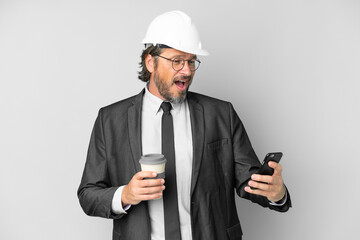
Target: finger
(260,186)
(277,168)
(270,195)
(147,197)
(263,178)
(151,190)
(256,191)
(151,182)
(144,174)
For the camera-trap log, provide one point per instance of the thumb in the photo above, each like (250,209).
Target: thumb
(277,168)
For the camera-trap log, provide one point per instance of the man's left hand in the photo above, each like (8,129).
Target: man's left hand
(271,187)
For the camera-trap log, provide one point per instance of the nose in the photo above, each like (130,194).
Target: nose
(186,69)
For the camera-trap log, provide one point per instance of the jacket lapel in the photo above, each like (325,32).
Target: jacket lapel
(197,129)
(134,124)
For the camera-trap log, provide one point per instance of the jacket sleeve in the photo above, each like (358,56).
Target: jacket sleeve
(95,191)
(246,163)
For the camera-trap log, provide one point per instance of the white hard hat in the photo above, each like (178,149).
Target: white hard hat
(175,30)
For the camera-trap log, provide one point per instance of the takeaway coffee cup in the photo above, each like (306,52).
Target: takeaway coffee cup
(153,162)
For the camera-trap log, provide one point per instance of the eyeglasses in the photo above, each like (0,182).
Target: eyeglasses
(178,64)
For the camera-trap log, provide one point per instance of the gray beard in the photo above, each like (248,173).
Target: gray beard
(164,91)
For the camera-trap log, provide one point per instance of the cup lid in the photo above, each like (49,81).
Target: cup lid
(152,159)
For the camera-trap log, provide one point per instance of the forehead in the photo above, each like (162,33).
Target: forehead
(171,53)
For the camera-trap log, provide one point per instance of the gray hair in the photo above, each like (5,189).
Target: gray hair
(144,74)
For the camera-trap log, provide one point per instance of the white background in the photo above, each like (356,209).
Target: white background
(291,69)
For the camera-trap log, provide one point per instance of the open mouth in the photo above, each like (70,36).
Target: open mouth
(181,85)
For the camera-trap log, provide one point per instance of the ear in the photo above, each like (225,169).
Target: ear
(150,64)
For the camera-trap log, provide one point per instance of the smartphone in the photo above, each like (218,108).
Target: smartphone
(265,169)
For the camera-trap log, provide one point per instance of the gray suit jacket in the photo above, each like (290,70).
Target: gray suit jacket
(223,161)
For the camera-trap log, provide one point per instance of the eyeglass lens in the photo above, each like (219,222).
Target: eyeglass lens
(179,64)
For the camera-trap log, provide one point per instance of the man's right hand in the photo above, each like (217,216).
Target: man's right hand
(140,189)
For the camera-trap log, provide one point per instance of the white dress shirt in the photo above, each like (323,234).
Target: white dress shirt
(151,116)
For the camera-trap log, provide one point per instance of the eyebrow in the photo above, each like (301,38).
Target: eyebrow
(183,56)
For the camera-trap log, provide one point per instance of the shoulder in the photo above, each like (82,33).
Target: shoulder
(208,102)
(122,106)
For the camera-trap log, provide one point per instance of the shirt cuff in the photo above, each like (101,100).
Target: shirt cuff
(281,202)
(116,205)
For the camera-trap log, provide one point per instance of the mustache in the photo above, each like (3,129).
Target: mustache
(178,78)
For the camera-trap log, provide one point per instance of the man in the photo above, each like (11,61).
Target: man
(209,154)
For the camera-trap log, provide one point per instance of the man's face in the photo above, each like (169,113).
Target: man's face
(171,85)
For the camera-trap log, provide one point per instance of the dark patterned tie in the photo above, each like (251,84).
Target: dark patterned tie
(171,210)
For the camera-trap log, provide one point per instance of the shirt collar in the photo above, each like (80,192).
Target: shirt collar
(155,102)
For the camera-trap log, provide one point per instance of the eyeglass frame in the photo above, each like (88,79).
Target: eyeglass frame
(183,62)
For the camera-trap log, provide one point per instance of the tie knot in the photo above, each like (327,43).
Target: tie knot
(166,106)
